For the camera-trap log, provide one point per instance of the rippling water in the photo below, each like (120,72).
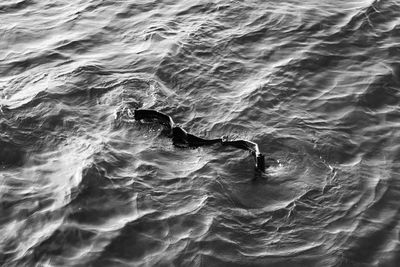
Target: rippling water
(315,83)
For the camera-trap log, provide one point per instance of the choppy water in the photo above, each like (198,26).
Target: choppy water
(315,83)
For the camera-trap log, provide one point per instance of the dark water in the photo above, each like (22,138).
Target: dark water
(315,83)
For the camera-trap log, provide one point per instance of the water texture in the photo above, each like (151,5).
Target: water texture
(314,83)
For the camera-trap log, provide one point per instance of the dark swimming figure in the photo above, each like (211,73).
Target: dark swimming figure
(181,138)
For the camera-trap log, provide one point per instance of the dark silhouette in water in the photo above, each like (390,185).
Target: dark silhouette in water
(181,138)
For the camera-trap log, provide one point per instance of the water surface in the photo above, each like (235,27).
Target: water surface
(314,83)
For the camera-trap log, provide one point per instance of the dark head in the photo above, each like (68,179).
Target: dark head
(260,164)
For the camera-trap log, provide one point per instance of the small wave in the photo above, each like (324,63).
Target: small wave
(16,6)
(382,92)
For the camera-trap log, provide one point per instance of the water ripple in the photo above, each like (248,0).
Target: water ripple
(314,83)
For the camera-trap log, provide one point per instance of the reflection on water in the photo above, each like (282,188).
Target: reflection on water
(314,83)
